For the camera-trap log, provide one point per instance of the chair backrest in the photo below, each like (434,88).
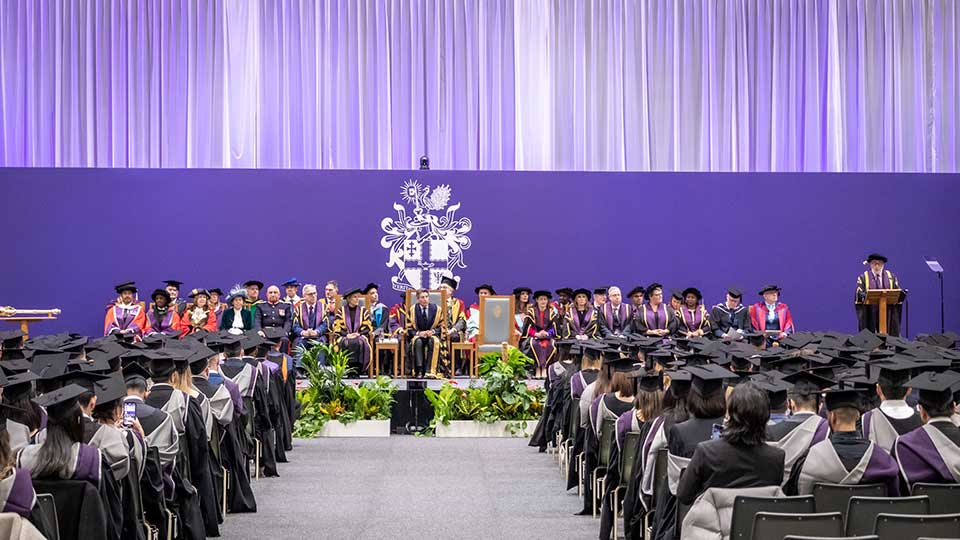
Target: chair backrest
(437,296)
(909,527)
(835,497)
(78,505)
(48,510)
(628,457)
(659,475)
(943,497)
(744,508)
(769,525)
(862,512)
(496,320)
(573,424)
(608,430)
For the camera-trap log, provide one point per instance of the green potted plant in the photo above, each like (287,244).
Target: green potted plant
(359,411)
(501,407)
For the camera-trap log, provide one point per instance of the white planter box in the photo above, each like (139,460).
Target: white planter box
(360,428)
(471,428)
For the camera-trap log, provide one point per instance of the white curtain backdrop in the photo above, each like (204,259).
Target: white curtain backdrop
(702,85)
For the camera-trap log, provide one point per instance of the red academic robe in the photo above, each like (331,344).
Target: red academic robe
(758,316)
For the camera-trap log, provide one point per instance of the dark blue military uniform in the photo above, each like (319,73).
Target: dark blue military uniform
(279,315)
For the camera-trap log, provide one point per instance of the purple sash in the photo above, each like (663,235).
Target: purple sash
(693,321)
(88,464)
(608,314)
(650,317)
(575,320)
(577,384)
(920,459)
(21,497)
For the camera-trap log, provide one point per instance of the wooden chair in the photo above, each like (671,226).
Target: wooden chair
(373,368)
(438,297)
(496,325)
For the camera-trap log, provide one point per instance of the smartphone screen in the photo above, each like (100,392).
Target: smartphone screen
(129,413)
(716,432)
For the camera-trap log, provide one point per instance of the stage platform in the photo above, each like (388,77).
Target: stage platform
(433,384)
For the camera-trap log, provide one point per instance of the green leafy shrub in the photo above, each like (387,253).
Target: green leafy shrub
(504,394)
(329,398)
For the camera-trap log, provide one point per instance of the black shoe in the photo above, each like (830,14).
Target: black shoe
(585,512)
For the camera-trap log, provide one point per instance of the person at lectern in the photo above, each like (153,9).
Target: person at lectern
(876,277)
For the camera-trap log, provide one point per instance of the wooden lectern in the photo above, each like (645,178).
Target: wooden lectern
(27,316)
(884,298)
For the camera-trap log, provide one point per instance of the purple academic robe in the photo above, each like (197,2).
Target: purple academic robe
(577,385)
(164,326)
(353,324)
(926,455)
(626,423)
(622,311)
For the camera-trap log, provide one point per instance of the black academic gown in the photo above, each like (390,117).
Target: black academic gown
(185,499)
(196,438)
(612,476)
(110,490)
(579,443)
(682,441)
(721,464)
(279,416)
(151,483)
(265,411)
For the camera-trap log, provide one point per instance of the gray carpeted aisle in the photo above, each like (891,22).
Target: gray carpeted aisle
(408,487)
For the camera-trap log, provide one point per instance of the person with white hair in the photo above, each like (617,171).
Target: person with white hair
(309,323)
(614,314)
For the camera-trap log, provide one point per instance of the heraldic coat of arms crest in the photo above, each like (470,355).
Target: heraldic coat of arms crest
(426,240)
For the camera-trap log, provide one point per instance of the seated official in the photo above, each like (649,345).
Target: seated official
(614,315)
(581,318)
(770,316)
(693,320)
(273,314)
(520,307)
(162,317)
(931,452)
(655,318)
(636,299)
(740,458)
(198,314)
(379,312)
(846,457)
(539,331)
(423,335)
(309,321)
(173,290)
(456,312)
(731,318)
(125,316)
(352,330)
(236,319)
(216,305)
(291,296)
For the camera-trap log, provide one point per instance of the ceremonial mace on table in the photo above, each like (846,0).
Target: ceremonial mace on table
(27,316)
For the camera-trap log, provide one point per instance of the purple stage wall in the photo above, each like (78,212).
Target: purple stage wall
(80,231)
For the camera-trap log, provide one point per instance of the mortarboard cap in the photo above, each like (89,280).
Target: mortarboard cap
(485,286)
(11,338)
(128,286)
(708,379)
(60,399)
(769,288)
(449,281)
(734,292)
(843,395)
(134,372)
(600,290)
(935,389)
(650,381)
(865,340)
(274,334)
(19,386)
(173,283)
(807,383)
(291,282)
(110,389)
